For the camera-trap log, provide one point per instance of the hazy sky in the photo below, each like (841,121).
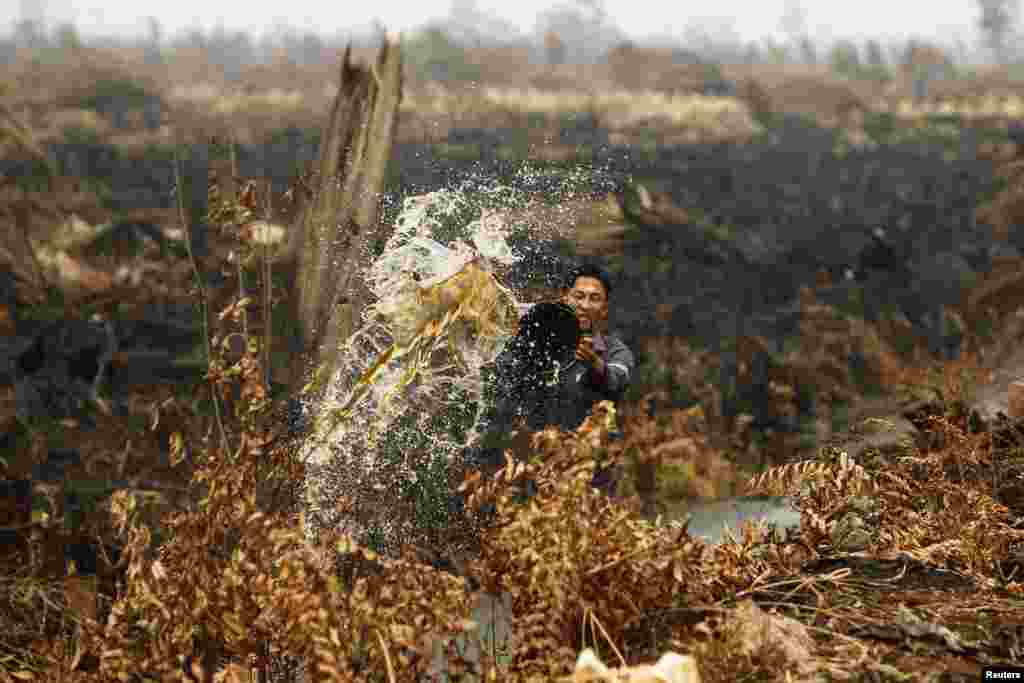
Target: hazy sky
(750,19)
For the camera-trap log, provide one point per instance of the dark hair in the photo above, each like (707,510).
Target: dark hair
(589,270)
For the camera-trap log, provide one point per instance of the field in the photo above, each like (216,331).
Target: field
(153,525)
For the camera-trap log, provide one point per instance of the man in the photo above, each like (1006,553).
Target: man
(600,369)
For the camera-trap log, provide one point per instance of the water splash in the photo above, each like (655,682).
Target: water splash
(430,299)
(407,399)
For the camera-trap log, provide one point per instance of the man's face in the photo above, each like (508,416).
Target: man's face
(590,301)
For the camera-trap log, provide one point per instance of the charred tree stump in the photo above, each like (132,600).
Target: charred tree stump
(338,225)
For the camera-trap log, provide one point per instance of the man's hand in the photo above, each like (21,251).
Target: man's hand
(586,353)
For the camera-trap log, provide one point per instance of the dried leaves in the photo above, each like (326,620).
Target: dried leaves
(232,579)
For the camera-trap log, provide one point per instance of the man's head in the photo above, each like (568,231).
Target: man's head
(587,289)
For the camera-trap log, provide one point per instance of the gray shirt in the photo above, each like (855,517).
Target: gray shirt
(568,403)
(617,357)
(580,387)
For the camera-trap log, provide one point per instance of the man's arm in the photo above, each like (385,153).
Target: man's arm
(618,369)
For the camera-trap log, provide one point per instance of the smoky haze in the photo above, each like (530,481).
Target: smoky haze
(727,30)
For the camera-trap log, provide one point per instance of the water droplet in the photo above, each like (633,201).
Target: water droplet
(402,407)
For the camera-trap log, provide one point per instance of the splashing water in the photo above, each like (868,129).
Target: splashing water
(407,398)
(428,296)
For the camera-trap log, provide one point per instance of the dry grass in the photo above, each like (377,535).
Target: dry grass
(627,93)
(232,576)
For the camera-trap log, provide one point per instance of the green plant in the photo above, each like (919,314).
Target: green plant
(861,375)
(854,305)
(467,152)
(840,417)
(106,91)
(68,38)
(80,135)
(904,345)
(875,72)
(157,152)
(676,480)
(36,177)
(536,119)
(712,72)
(880,126)
(682,396)
(430,449)
(984,328)
(433,55)
(290,135)
(845,59)
(1016,71)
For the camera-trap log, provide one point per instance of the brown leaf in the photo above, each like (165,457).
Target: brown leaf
(248,197)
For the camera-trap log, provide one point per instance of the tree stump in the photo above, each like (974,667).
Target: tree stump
(338,225)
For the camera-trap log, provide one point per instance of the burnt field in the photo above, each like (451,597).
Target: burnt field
(719,238)
(777,291)
(893,225)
